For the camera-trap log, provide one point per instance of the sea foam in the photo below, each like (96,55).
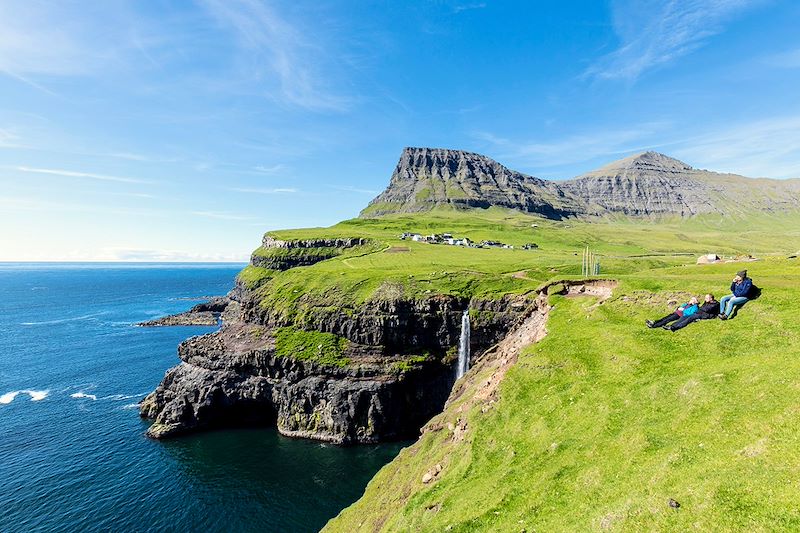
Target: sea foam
(83,395)
(8,397)
(36,395)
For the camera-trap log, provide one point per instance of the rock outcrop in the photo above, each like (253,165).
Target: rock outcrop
(643,185)
(203,314)
(279,254)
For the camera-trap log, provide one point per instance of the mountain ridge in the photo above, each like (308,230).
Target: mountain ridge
(647,184)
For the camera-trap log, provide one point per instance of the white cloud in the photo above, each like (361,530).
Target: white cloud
(790,59)
(221,215)
(274,47)
(269,170)
(458,8)
(656,32)
(348,188)
(574,148)
(7,139)
(75,174)
(148,255)
(763,148)
(278,190)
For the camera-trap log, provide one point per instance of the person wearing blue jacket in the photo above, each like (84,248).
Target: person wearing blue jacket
(685,310)
(740,293)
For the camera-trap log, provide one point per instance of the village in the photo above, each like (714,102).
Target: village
(449,239)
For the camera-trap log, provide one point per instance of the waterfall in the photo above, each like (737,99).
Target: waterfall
(463,346)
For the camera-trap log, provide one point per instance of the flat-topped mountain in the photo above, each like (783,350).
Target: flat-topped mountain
(429,177)
(647,184)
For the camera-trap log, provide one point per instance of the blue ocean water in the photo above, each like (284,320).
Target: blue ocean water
(73,455)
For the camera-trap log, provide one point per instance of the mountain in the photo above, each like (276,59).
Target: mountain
(429,177)
(646,185)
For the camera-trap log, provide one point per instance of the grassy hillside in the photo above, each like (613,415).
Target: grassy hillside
(416,269)
(601,423)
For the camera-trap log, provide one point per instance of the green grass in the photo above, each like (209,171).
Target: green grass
(601,423)
(253,276)
(322,348)
(623,246)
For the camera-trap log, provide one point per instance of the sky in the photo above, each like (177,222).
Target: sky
(183,130)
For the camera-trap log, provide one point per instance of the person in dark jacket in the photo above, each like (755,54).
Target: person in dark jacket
(687,309)
(740,292)
(709,309)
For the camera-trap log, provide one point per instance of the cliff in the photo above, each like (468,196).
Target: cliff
(372,373)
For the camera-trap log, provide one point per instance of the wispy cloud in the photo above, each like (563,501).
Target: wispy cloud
(763,148)
(760,148)
(52,39)
(458,8)
(274,47)
(148,255)
(75,174)
(269,170)
(574,148)
(653,33)
(8,139)
(348,188)
(789,59)
(256,190)
(222,215)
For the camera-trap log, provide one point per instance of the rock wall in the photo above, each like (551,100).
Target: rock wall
(277,254)
(235,376)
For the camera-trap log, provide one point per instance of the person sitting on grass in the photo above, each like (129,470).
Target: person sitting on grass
(687,309)
(740,292)
(709,309)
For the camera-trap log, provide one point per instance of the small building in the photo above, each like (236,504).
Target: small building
(416,237)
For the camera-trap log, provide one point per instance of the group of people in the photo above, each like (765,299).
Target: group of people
(741,291)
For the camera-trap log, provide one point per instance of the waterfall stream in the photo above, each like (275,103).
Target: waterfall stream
(463,346)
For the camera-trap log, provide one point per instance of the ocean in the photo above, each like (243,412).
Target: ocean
(73,455)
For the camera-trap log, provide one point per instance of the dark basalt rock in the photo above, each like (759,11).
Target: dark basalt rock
(234,376)
(203,314)
(278,254)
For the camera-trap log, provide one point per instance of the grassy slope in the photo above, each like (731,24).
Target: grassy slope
(355,276)
(603,421)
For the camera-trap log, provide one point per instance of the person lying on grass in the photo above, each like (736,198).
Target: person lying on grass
(740,293)
(687,309)
(709,309)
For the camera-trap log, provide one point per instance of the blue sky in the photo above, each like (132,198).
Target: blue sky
(183,130)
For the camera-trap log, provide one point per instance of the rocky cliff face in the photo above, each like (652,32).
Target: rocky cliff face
(393,369)
(428,177)
(643,185)
(278,254)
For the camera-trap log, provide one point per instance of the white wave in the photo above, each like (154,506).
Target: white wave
(36,395)
(117,397)
(8,397)
(130,406)
(83,395)
(62,320)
